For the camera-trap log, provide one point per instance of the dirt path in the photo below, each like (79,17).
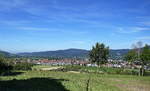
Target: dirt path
(51,68)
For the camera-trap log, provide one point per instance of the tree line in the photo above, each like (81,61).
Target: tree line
(100,52)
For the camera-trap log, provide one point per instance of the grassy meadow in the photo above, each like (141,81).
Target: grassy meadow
(37,80)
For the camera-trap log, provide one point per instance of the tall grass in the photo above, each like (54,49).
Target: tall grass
(64,81)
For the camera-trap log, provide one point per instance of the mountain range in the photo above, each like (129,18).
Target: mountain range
(4,53)
(68,53)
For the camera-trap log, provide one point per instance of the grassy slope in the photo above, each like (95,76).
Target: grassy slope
(64,81)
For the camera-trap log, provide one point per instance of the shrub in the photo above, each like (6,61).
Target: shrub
(4,66)
(147,73)
(23,66)
(135,72)
(72,68)
(101,70)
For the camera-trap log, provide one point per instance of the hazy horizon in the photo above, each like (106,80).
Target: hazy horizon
(36,25)
(53,50)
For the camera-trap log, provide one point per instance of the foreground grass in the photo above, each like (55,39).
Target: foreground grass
(65,81)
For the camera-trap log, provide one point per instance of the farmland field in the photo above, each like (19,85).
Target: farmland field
(37,80)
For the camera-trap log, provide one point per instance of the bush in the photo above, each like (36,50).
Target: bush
(101,70)
(23,66)
(72,68)
(147,73)
(129,72)
(4,66)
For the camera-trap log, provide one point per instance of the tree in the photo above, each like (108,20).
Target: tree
(131,56)
(145,55)
(99,54)
(139,54)
(4,66)
(138,48)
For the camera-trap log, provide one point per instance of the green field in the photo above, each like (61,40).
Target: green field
(68,81)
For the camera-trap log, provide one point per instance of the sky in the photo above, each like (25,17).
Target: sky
(42,25)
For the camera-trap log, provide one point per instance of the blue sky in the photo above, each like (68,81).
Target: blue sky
(40,25)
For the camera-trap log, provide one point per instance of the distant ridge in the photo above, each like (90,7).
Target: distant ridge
(7,54)
(70,53)
(58,53)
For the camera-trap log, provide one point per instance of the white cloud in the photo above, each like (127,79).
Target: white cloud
(146,23)
(15,22)
(10,4)
(144,38)
(43,29)
(33,28)
(141,28)
(128,30)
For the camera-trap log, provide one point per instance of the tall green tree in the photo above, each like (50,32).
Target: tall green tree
(4,66)
(99,54)
(131,56)
(139,54)
(145,55)
(145,58)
